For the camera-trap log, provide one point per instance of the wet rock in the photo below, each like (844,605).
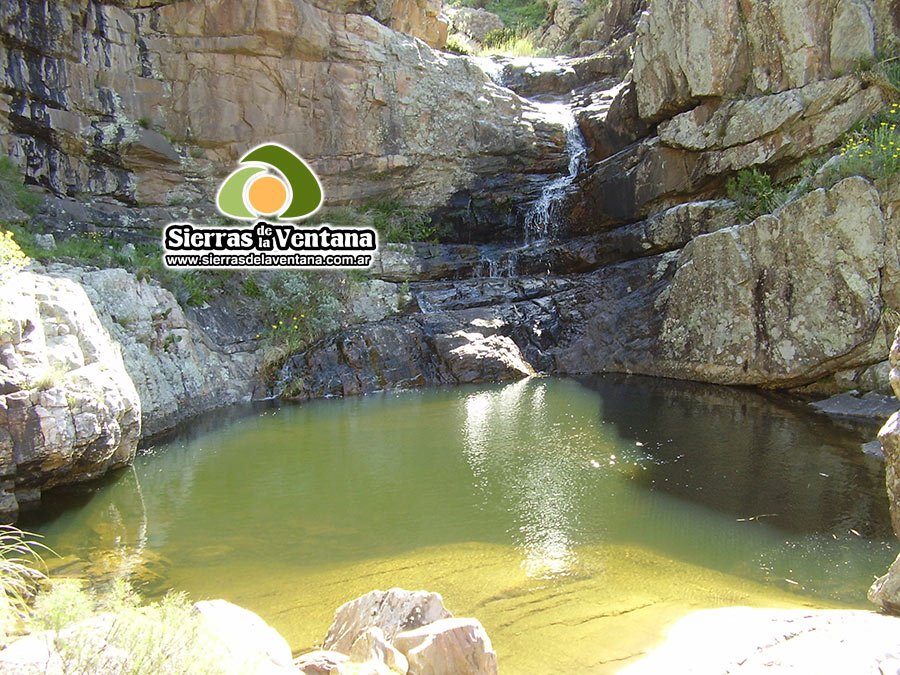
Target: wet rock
(243,635)
(448,647)
(392,611)
(871,405)
(69,411)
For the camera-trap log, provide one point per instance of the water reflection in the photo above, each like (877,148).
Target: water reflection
(539,487)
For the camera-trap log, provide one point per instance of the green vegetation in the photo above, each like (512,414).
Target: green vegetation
(871,149)
(394,221)
(754,193)
(19,576)
(510,41)
(528,14)
(12,187)
(300,307)
(97,633)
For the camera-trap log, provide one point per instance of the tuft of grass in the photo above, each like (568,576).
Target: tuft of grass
(398,223)
(19,575)
(50,378)
(511,41)
(454,46)
(755,193)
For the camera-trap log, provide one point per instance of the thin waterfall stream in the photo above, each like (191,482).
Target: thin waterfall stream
(542,220)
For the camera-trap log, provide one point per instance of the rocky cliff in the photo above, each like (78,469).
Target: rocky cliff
(107,105)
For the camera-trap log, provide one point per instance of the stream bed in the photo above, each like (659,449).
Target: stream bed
(575,519)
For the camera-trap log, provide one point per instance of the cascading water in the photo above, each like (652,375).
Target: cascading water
(542,219)
(541,222)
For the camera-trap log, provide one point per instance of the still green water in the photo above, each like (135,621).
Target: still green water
(576,520)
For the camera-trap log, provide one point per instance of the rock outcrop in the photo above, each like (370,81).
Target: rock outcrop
(177,366)
(688,52)
(69,411)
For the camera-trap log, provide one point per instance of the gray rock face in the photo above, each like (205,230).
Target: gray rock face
(688,51)
(473,23)
(783,300)
(178,370)
(68,409)
(695,150)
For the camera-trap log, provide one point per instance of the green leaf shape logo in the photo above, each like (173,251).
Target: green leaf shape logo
(276,183)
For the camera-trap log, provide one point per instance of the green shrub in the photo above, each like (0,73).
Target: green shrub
(111,633)
(401,224)
(754,193)
(300,307)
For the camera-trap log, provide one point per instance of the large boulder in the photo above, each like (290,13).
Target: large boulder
(473,23)
(783,300)
(69,411)
(392,611)
(448,647)
(243,636)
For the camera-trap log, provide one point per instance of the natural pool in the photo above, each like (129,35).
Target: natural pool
(576,520)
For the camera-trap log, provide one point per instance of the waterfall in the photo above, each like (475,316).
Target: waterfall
(542,219)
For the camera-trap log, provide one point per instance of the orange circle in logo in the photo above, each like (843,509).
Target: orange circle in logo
(267,195)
